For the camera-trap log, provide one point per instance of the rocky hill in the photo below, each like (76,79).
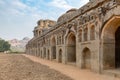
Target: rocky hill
(18,45)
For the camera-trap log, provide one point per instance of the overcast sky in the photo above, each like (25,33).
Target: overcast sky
(18,17)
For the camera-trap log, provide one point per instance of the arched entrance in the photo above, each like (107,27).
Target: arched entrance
(48,55)
(44,52)
(41,54)
(117,48)
(71,47)
(53,48)
(86,54)
(111,43)
(60,56)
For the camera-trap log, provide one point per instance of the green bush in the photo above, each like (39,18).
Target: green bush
(4,46)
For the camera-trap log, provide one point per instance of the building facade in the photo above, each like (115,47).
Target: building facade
(88,37)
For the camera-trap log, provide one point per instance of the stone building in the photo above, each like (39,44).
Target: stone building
(88,37)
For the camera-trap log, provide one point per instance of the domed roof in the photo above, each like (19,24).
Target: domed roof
(67,15)
(71,10)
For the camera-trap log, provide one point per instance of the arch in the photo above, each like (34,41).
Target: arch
(60,56)
(53,42)
(35,52)
(67,33)
(117,48)
(71,39)
(71,47)
(86,54)
(44,52)
(41,54)
(48,54)
(92,32)
(110,43)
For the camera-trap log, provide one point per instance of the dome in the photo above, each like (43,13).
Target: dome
(71,10)
(67,15)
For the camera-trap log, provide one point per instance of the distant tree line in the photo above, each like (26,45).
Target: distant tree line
(4,46)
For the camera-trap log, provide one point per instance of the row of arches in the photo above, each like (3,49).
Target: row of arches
(110,47)
(71,52)
(86,33)
(49,52)
(44,53)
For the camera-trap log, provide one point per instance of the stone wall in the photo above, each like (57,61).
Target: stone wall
(80,36)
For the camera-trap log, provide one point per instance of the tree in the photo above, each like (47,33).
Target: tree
(4,46)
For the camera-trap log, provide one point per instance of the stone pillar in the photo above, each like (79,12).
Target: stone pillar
(82,35)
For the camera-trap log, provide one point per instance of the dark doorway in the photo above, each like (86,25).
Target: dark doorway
(53,48)
(44,53)
(48,56)
(60,56)
(86,59)
(54,52)
(71,48)
(117,48)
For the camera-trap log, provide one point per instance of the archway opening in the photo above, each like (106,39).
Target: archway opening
(48,55)
(111,44)
(92,33)
(41,54)
(71,48)
(117,48)
(53,48)
(86,58)
(44,52)
(60,56)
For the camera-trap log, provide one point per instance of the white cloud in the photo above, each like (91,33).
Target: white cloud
(17,16)
(68,4)
(77,3)
(61,4)
(18,4)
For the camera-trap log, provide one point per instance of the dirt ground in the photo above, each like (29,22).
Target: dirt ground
(72,71)
(27,67)
(18,67)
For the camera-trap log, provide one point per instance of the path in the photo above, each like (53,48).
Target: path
(72,71)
